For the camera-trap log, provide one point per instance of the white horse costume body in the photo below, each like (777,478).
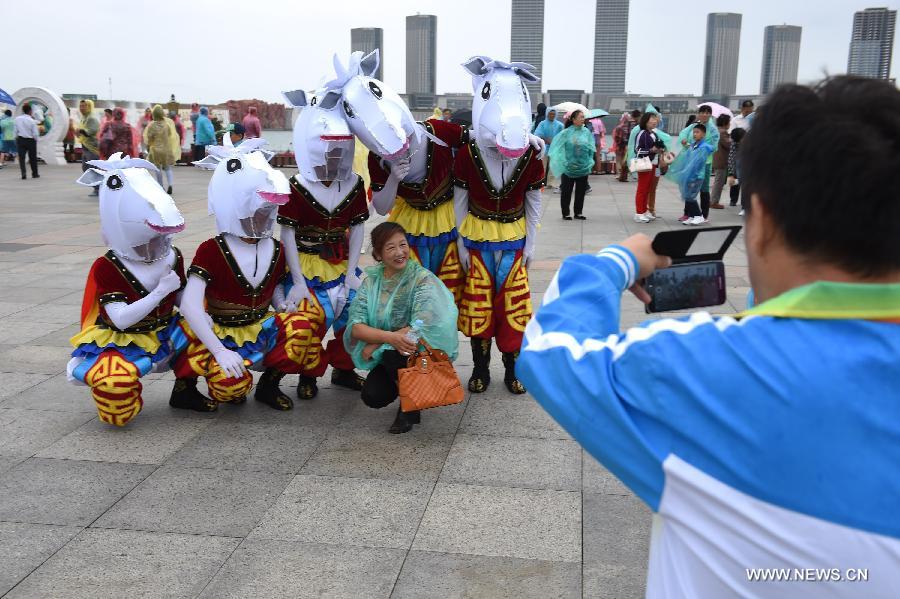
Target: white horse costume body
(322,231)
(232,282)
(498,206)
(128,310)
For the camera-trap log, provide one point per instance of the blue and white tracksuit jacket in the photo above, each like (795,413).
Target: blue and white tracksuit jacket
(759,443)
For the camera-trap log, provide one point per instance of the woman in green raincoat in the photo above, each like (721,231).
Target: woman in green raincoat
(398,299)
(661,168)
(572,158)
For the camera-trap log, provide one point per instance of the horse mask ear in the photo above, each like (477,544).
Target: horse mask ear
(369,63)
(91,177)
(329,100)
(296,98)
(208,163)
(476,65)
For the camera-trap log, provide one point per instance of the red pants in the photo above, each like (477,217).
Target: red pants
(496,301)
(645,180)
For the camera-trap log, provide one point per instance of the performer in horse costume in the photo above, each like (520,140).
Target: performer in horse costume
(128,316)
(227,325)
(497,201)
(322,231)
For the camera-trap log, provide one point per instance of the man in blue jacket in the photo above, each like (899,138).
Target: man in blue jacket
(768,445)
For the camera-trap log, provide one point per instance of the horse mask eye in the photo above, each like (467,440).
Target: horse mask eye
(233,165)
(348,110)
(376,91)
(486,90)
(114,182)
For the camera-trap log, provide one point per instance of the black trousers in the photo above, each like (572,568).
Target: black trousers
(27,145)
(380,388)
(565,190)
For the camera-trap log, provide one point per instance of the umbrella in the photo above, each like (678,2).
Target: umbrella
(463,116)
(594,113)
(717,109)
(564,108)
(5,98)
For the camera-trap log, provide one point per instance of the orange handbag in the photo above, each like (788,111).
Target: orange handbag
(428,381)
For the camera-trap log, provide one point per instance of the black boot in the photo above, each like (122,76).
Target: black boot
(481,372)
(307,388)
(347,378)
(404,421)
(509,378)
(267,391)
(169,190)
(186,397)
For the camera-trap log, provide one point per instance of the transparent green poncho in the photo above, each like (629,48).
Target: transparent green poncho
(390,304)
(572,152)
(660,134)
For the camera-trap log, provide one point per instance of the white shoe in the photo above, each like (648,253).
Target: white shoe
(649,216)
(741,213)
(697,220)
(641,218)
(556,190)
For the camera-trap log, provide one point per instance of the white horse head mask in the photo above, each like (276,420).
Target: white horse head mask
(375,113)
(244,191)
(323,143)
(501,107)
(137,217)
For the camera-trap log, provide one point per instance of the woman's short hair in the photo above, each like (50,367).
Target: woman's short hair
(570,119)
(723,120)
(380,235)
(645,118)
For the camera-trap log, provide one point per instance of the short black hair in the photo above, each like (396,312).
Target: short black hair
(700,126)
(7,112)
(26,108)
(746,103)
(737,134)
(635,114)
(840,208)
(705,108)
(723,120)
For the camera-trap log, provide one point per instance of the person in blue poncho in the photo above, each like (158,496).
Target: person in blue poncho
(689,171)
(704,116)
(397,295)
(572,157)
(548,128)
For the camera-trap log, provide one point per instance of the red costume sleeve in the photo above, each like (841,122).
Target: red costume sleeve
(289,214)
(358,210)
(534,174)
(377,174)
(204,260)
(462,168)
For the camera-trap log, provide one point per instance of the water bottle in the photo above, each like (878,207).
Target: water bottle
(413,334)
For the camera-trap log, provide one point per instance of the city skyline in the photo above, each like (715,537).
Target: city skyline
(421,54)
(300,44)
(872,43)
(781,55)
(527,39)
(723,46)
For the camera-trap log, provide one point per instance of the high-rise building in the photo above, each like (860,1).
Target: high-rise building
(872,44)
(421,54)
(366,39)
(781,56)
(527,40)
(610,46)
(723,42)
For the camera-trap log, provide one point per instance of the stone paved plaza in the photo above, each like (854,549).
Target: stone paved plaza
(489,498)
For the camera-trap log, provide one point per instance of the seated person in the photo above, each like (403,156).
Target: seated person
(396,293)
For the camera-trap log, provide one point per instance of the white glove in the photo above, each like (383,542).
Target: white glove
(209,321)
(295,297)
(167,284)
(538,144)
(527,254)
(340,300)
(463,254)
(351,281)
(230,362)
(400,169)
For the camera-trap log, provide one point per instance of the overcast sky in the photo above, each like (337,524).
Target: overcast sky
(215,50)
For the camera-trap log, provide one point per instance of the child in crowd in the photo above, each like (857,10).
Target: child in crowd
(734,168)
(688,170)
